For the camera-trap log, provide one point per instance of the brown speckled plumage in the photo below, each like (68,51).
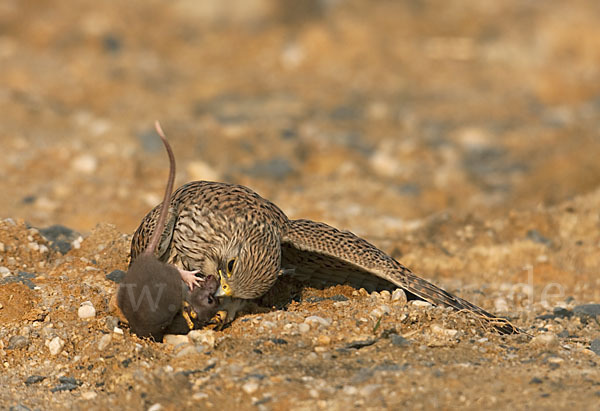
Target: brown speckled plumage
(210,223)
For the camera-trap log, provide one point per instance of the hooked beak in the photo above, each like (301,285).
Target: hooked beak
(224,289)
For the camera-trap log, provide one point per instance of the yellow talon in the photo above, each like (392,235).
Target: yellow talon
(187,314)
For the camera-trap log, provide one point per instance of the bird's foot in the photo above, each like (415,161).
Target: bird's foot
(218,321)
(189,277)
(188,314)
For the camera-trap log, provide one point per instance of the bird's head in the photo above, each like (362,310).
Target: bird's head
(249,265)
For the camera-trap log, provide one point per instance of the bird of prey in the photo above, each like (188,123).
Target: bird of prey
(247,242)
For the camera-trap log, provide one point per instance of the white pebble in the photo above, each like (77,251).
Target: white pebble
(385,295)
(268,324)
(548,340)
(104,341)
(315,319)
(56,345)
(77,243)
(175,339)
(500,305)
(85,163)
(4,272)
(250,387)
(206,337)
(33,246)
(350,390)
(155,407)
(118,330)
(89,395)
(399,296)
(420,303)
(303,328)
(86,310)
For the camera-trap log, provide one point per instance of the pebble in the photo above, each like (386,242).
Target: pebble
(104,341)
(86,310)
(55,345)
(34,379)
(323,340)
(591,310)
(85,163)
(315,319)
(175,339)
(548,340)
(399,341)
(421,303)
(350,390)
(445,332)
(385,295)
(89,395)
(250,387)
(155,407)
(111,322)
(4,271)
(189,350)
(17,342)
(205,337)
(118,331)
(303,328)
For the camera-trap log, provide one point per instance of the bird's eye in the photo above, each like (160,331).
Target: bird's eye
(230,265)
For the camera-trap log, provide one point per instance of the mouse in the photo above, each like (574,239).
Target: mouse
(152,296)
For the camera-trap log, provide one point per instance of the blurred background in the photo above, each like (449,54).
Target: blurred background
(370,115)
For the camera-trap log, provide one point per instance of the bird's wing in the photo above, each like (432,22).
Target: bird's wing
(323,255)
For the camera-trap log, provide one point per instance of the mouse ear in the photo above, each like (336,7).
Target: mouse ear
(164,211)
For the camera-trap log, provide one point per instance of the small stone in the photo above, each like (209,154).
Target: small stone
(548,340)
(118,331)
(115,276)
(595,346)
(590,310)
(205,337)
(17,342)
(323,340)
(85,163)
(55,345)
(399,296)
(443,332)
(320,349)
(250,387)
(385,295)
(4,271)
(399,341)
(155,407)
(368,390)
(188,350)
(501,305)
(268,324)
(303,328)
(315,319)
(420,303)
(89,395)
(111,322)
(104,341)
(34,379)
(86,310)
(175,339)
(350,390)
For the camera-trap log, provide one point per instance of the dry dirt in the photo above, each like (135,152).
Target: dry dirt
(461,137)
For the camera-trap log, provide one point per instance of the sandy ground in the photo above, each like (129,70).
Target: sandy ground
(461,137)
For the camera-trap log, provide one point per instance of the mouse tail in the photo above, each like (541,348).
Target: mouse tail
(160,225)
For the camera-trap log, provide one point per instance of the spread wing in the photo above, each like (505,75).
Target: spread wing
(323,255)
